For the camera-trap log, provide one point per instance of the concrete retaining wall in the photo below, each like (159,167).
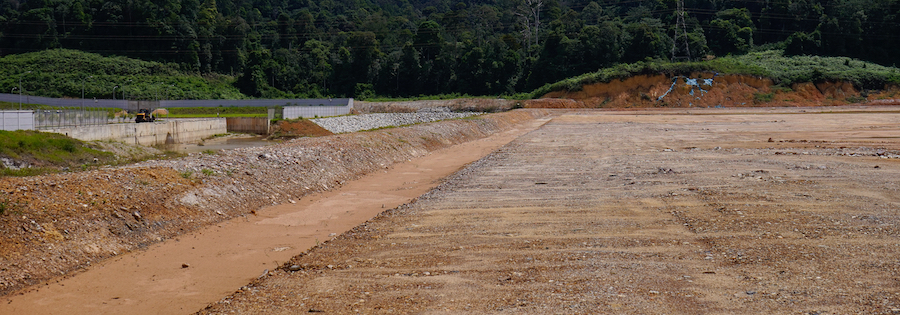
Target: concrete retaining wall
(161,132)
(258,125)
(68,117)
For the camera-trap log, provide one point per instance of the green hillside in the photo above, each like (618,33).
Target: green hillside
(63,73)
(772,64)
(413,48)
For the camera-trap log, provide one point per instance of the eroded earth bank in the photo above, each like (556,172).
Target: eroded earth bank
(755,211)
(57,224)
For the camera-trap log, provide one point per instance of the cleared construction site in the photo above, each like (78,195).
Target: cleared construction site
(678,211)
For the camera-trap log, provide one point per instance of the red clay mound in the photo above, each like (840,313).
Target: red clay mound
(699,90)
(298,128)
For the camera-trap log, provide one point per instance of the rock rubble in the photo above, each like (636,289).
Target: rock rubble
(354,123)
(55,224)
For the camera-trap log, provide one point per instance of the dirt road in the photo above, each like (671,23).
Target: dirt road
(747,211)
(186,274)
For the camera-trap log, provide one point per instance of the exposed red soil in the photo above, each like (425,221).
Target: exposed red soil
(649,91)
(298,128)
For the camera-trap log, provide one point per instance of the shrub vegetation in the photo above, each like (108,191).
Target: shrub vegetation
(46,150)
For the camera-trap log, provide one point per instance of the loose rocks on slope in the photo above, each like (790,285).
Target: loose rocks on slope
(55,224)
(344,124)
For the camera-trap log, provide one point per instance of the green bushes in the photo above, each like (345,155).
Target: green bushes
(46,149)
(763,97)
(796,69)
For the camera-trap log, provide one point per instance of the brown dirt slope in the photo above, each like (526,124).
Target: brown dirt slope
(55,224)
(644,91)
(298,128)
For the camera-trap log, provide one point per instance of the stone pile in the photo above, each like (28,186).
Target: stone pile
(344,124)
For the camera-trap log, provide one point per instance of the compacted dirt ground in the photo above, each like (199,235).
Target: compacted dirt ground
(754,211)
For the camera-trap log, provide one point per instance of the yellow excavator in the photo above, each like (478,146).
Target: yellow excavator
(144,115)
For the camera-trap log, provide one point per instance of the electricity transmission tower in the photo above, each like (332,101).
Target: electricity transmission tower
(680,50)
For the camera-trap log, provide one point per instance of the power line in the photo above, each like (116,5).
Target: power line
(680,52)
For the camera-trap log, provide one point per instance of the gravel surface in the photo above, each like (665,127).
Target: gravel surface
(353,123)
(59,223)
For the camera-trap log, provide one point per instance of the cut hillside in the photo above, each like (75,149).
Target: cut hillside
(649,91)
(287,129)
(757,79)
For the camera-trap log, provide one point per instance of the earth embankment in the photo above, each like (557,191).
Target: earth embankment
(57,224)
(706,90)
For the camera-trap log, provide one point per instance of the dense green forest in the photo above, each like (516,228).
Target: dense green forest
(400,48)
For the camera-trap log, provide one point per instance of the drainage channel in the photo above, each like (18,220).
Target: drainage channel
(183,275)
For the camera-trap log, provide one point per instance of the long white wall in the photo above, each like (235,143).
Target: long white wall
(294,112)
(169,131)
(136,104)
(12,120)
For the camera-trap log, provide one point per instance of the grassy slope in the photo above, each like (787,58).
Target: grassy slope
(772,64)
(60,73)
(46,151)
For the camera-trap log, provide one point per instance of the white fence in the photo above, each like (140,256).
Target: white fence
(71,117)
(134,104)
(328,102)
(44,119)
(12,120)
(294,112)
(51,119)
(63,102)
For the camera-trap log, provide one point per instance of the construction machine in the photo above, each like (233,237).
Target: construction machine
(144,115)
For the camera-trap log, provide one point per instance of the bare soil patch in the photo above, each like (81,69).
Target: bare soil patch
(759,211)
(297,128)
(657,91)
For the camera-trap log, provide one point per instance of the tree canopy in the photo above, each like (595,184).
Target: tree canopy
(401,48)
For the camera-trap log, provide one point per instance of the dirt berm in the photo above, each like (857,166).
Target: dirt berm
(57,224)
(708,90)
